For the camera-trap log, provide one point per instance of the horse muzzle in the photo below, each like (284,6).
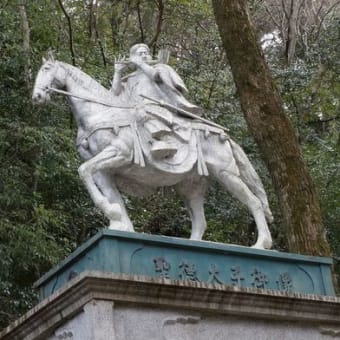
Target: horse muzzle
(40,96)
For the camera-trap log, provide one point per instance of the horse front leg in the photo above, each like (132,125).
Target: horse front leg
(112,157)
(105,183)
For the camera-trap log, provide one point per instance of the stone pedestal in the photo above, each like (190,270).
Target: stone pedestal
(126,286)
(104,306)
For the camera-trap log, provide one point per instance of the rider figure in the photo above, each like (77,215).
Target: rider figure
(157,81)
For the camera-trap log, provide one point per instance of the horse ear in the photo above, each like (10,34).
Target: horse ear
(44,60)
(50,55)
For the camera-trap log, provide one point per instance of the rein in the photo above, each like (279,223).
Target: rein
(114,127)
(56,67)
(89,99)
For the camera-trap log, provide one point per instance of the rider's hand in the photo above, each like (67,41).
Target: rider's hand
(136,60)
(120,64)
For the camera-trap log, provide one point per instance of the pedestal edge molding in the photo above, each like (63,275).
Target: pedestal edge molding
(216,298)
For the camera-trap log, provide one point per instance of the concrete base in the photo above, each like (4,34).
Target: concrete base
(105,306)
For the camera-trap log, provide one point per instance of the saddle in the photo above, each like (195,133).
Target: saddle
(170,154)
(166,141)
(171,143)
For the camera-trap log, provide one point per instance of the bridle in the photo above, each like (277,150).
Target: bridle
(47,89)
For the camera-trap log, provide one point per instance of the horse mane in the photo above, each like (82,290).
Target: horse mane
(86,81)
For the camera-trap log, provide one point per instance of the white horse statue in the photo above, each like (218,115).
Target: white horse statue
(115,144)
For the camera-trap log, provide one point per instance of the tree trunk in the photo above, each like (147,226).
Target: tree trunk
(26,43)
(271,128)
(291,31)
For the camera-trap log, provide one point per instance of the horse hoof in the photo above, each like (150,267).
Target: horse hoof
(263,244)
(117,225)
(196,237)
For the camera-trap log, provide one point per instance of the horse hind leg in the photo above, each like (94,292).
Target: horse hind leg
(193,193)
(251,178)
(237,188)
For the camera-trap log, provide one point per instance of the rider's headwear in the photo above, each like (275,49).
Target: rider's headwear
(135,47)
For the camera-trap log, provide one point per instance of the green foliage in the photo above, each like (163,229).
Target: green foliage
(310,88)
(162,213)
(44,210)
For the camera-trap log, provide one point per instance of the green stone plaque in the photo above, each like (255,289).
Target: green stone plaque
(199,261)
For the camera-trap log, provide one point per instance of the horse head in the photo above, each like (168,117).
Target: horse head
(45,80)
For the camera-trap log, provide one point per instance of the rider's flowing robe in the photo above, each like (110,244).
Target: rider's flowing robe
(166,86)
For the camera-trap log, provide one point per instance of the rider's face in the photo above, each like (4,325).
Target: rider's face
(143,53)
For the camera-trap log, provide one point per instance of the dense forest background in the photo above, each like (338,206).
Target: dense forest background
(45,212)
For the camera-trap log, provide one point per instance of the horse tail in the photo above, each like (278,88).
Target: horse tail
(251,178)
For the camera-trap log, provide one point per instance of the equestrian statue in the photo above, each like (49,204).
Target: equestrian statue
(143,134)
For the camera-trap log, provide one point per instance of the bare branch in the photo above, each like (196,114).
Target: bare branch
(70,32)
(285,9)
(317,13)
(102,52)
(160,6)
(330,9)
(270,13)
(140,21)
(127,11)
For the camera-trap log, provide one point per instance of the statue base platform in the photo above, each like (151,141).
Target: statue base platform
(105,306)
(129,286)
(194,261)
